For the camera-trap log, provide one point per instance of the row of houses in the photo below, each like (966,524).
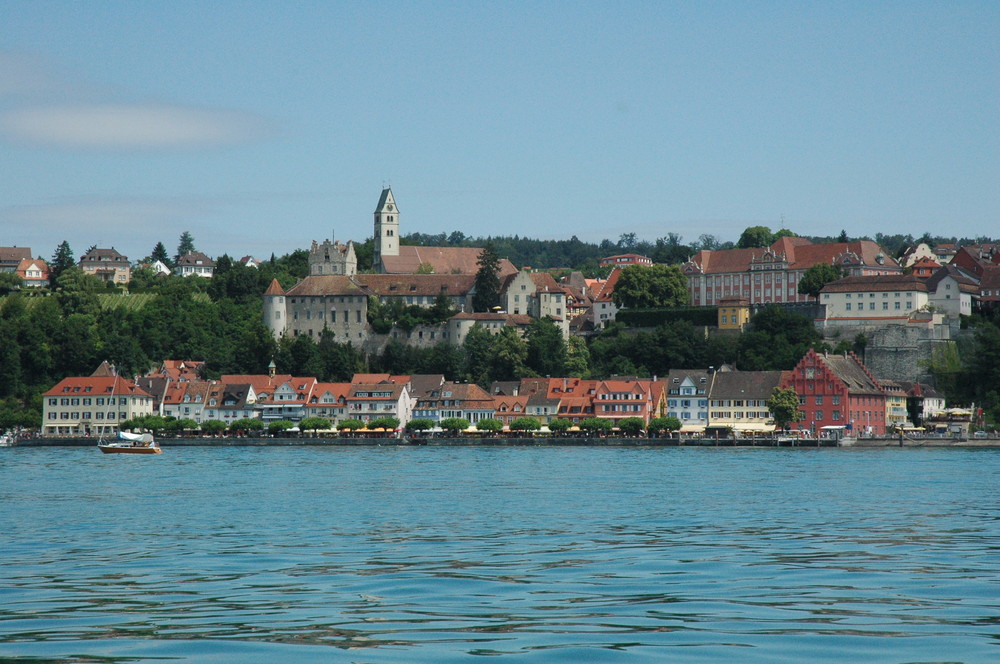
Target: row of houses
(835,391)
(108,265)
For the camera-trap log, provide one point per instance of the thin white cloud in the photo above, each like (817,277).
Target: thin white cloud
(129,126)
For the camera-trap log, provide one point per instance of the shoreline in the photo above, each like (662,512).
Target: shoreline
(526,441)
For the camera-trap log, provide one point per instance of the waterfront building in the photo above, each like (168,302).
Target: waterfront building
(92,405)
(837,390)
(687,397)
(738,400)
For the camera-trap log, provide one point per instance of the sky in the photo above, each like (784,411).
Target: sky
(259,127)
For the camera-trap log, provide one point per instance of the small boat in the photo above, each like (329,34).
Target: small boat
(131,443)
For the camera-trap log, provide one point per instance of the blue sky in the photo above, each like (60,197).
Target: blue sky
(261,126)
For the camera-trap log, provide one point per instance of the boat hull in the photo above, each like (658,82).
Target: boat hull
(128,449)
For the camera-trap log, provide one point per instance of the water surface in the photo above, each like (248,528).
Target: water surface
(388,554)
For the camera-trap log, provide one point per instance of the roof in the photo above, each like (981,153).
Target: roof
(745,384)
(853,374)
(507,319)
(274,289)
(97,386)
(195,258)
(13,255)
(799,253)
(388,285)
(327,284)
(103,255)
(443,260)
(877,283)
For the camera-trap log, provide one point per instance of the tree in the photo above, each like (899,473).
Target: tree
(9,282)
(546,348)
(525,424)
(754,237)
(278,426)
(631,426)
(658,425)
(817,276)
(843,237)
(487,283)
(645,286)
(454,424)
(419,424)
(314,424)
(350,425)
(489,425)
(387,423)
(213,427)
(179,426)
(159,253)
(247,424)
(62,260)
(784,405)
(184,246)
(508,356)
(596,425)
(560,425)
(577,357)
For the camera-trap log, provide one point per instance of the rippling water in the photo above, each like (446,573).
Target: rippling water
(536,554)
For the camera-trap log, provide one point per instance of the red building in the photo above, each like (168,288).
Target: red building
(837,390)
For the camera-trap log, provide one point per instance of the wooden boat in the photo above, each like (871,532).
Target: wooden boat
(130,443)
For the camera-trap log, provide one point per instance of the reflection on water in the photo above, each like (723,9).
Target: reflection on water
(401,555)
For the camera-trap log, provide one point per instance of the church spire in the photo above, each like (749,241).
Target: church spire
(386,228)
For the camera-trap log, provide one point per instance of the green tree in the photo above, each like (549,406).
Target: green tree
(184,246)
(179,426)
(388,423)
(247,424)
(159,253)
(755,237)
(419,424)
(648,286)
(777,340)
(350,425)
(577,357)
(62,260)
(9,282)
(489,425)
(546,348)
(508,356)
(487,283)
(658,425)
(784,406)
(631,426)
(525,424)
(314,424)
(560,425)
(278,426)
(817,276)
(596,425)
(454,424)
(213,427)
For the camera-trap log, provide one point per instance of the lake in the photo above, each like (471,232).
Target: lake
(536,554)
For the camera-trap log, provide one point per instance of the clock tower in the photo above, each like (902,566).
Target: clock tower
(386,229)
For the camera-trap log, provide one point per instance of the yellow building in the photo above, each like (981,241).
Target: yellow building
(734,313)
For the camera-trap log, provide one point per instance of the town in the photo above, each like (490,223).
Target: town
(880,323)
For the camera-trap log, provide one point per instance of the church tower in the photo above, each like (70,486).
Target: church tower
(386,229)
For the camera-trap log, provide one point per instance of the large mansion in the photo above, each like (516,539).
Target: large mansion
(772,275)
